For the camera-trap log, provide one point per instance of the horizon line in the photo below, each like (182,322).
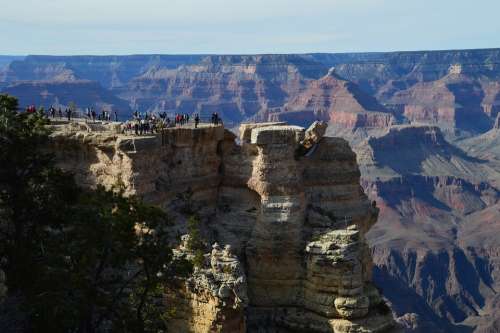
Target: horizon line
(246,54)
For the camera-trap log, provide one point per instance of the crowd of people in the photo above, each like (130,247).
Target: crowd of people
(104,115)
(151,123)
(140,124)
(69,114)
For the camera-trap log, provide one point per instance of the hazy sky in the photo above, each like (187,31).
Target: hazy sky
(251,26)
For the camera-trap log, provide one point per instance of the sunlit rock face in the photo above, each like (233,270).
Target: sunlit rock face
(283,216)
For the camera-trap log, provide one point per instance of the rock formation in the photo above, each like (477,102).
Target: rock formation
(454,101)
(287,223)
(213,299)
(338,101)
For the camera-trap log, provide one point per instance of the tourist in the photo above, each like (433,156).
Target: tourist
(116,115)
(196,120)
(60,113)
(152,125)
(142,126)
(136,126)
(68,114)
(52,111)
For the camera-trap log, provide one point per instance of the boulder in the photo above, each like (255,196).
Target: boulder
(314,133)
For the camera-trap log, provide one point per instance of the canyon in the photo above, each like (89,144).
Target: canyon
(424,127)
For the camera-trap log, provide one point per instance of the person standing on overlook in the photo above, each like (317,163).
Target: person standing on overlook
(136,126)
(196,120)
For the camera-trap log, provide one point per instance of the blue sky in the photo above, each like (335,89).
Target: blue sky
(252,26)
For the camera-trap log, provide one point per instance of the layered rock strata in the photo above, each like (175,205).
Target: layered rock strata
(285,209)
(334,99)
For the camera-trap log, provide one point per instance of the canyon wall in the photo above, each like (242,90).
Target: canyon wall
(282,214)
(435,246)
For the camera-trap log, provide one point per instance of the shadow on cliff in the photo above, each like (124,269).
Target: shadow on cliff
(405,150)
(443,287)
(469,97)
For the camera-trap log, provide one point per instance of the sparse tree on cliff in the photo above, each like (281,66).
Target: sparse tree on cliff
(80,260)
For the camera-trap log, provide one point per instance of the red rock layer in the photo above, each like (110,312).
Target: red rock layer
(340,102)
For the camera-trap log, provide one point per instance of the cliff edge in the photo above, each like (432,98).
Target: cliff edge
(282,215)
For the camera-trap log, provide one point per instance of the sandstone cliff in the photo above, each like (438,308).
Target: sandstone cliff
(287,223)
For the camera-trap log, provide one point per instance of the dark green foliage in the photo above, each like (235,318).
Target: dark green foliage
(195,242)
(383,308)
(81,260)
(186,201)
(323,212)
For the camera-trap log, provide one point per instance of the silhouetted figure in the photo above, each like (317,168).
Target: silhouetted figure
(196,120)
(136,127)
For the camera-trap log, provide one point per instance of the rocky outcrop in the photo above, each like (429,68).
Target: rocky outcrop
(314,134)
(214,298)
(290,222)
